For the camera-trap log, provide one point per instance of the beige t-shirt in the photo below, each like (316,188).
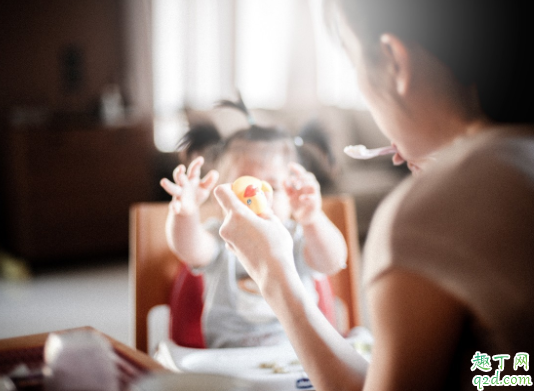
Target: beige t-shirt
(467,224)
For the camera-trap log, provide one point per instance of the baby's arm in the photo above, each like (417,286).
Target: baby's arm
(185,234)
(325,249)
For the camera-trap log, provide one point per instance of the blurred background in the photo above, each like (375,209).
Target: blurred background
(95,94)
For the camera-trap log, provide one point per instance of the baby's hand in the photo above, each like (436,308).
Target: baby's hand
(304,194)
(188,191)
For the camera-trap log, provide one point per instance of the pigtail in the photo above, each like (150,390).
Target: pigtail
(316,154)
(240,141)
(314,133)
(239,105)
(202,139)
(198,137)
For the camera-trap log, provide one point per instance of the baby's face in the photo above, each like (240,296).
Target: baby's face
(273,169)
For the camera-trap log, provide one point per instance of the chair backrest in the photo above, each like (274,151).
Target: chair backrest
(153,267)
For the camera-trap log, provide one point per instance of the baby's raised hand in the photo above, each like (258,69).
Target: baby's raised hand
(304,194)
(188,190)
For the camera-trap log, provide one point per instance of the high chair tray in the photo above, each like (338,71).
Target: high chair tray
(267,367)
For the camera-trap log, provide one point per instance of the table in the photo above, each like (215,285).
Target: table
(28,350)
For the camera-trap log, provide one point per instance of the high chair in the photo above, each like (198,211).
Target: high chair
(153,268)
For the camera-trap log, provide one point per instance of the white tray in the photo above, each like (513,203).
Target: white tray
(252,364)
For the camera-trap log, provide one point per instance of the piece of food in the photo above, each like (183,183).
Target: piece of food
(270,364)
(254,193)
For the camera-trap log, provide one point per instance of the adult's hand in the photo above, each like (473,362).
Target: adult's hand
(262,244)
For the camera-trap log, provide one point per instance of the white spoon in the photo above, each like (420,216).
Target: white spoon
(361,151)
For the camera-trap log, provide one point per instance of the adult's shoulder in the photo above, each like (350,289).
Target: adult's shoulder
(474,205)
(491,168)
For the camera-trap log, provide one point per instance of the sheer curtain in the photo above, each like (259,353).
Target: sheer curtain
(192,62)
(203,50)
(263,44)
(336,78)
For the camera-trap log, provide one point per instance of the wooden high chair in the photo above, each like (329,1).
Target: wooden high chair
(153,266)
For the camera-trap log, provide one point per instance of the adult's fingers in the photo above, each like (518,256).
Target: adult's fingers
(230,203)
(228,200)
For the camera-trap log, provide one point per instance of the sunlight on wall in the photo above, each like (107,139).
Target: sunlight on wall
(204,49)
(263,41)
(336,77)
(168,44)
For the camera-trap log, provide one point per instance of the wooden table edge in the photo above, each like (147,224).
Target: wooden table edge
(142,359)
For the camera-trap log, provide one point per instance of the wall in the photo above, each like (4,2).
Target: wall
(37,68)
(56,58)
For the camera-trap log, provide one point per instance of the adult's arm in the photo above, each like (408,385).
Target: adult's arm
(264,247)
(416,327)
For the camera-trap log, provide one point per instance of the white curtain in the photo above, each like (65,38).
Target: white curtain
(336,78)
(203,50)
(191,60)
(263,44)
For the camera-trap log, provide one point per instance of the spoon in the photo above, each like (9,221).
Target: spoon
(362,152)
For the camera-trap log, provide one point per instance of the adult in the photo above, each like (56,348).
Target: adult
(448,261)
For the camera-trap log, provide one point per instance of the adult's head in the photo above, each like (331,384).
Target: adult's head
(432,69)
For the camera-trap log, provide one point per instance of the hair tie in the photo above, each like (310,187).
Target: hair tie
(239,105)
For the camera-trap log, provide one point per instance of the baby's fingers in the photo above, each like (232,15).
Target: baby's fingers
(178,173)
(171,188)
(297,169)
(210,180)
(193,172)
(308,198)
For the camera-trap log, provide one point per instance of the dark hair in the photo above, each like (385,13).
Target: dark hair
(314,133)
(254,133)
(483,42)
(198,137)
(316,155)
(205,137)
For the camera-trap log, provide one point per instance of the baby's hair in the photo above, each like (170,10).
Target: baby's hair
(316,155)
(202,139)
(198,137)
(255,132)
(239,105)
(314,133)
(205,138)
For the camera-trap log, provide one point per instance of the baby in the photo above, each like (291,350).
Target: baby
(235,314)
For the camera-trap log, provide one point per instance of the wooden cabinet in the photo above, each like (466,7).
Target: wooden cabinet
(67,192)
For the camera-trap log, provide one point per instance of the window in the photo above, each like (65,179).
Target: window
(336,78)
(263,43)
(190,64)
(203,49)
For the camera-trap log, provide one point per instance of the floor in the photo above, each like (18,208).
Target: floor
(92,293)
